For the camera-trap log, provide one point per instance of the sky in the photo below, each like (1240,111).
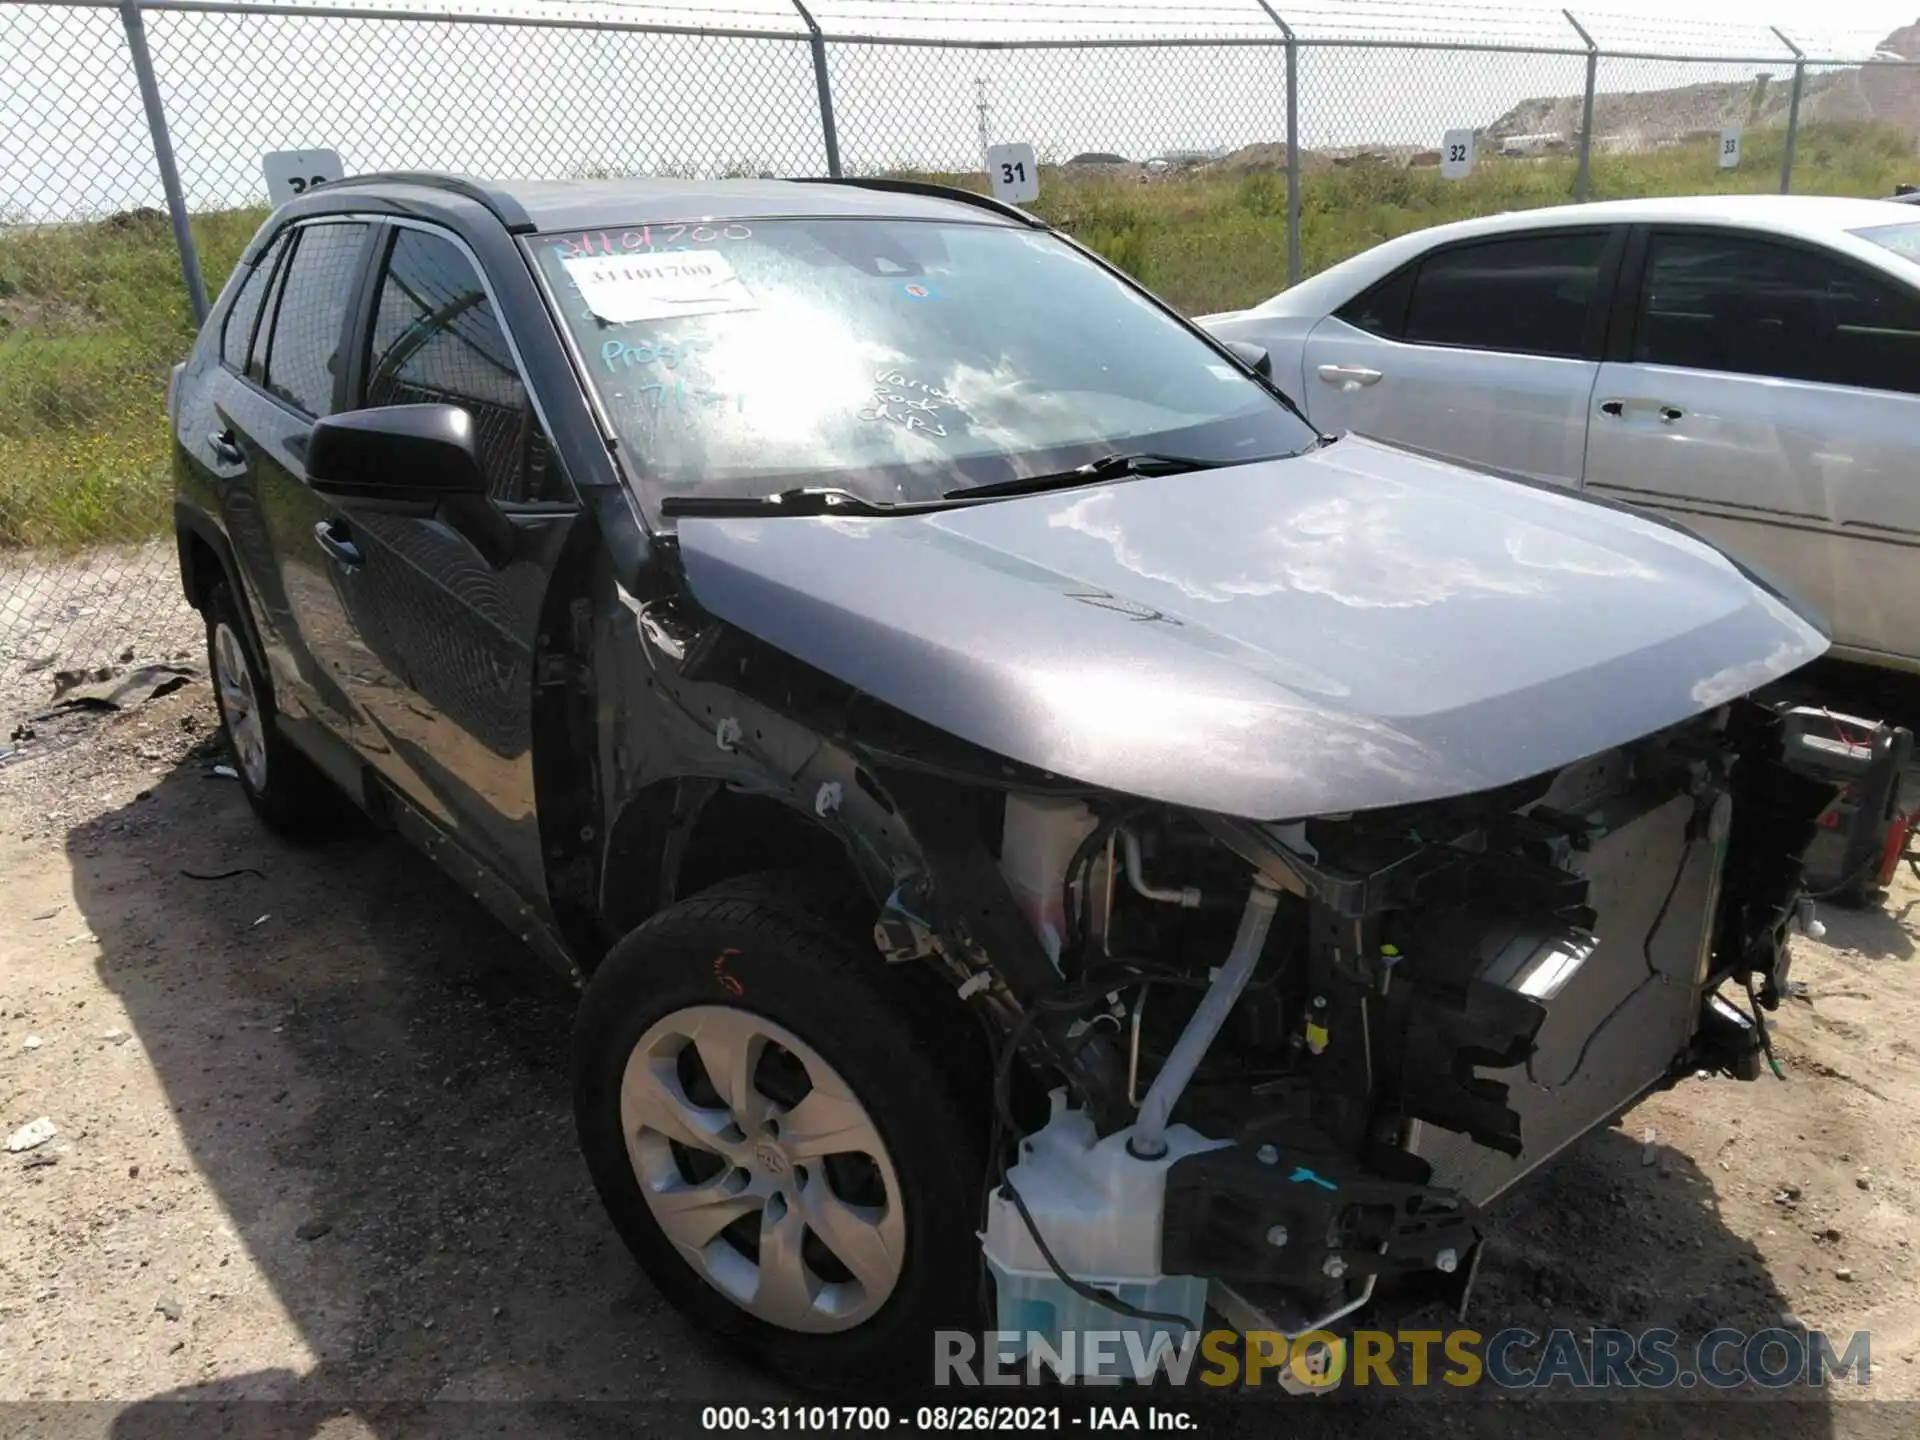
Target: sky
(529,101)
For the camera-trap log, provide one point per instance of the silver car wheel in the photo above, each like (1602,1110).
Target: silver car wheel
(763,1169)
(241,706)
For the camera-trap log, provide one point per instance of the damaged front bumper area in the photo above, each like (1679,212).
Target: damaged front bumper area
(1288,1060)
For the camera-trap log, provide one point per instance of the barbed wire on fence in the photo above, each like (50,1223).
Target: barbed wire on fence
(1295,126)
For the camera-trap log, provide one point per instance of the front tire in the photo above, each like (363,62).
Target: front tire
(767,1118)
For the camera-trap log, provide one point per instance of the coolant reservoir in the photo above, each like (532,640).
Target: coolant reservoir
(1036,846)
(1099,1208)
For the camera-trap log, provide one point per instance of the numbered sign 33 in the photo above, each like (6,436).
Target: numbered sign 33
(1014,173)
(1456,154)
(294,172)
(1730,147)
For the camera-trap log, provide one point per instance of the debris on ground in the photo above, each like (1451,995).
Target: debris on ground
(32,1042)
(110,689)
(313,1229)
(32,1135)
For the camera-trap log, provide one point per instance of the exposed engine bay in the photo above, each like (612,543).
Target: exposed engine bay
(1288,1059)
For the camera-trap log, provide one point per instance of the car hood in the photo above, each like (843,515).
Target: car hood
(1346,629)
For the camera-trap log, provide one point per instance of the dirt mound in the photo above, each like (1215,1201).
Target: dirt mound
(1267,155)
(1644,119)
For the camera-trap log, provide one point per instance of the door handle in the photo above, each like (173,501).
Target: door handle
(1617,409)
(226,448)
(1349,377)
(333,539)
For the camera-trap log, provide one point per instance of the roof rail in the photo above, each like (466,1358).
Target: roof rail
(928,188)
(504,207)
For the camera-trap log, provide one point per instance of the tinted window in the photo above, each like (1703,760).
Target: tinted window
(1530,295)
(305,355)
(257,356)
(436,340)
(899,359)
(1752,307)
(238,334)
(1383,309)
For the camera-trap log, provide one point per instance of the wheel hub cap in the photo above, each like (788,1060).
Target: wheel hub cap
(762,1168)
(240,705)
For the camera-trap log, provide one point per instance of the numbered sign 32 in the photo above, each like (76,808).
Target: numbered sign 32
(1456,154)
(1730,147)
(1014,173)
(294,172)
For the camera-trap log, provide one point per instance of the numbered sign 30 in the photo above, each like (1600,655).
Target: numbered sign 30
(1456,154)
(294,172)
(1014,173)
(1730,147)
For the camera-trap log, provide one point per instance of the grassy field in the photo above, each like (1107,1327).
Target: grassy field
(92,316)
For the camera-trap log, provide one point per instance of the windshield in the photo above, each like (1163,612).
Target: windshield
(899,360)
(1903,240)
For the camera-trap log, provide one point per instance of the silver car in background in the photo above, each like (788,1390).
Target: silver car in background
(1749,365)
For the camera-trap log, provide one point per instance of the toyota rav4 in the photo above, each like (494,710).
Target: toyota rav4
(1020,803)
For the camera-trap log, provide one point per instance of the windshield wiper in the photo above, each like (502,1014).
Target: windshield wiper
(832,500)
(805,500)
(1107,467)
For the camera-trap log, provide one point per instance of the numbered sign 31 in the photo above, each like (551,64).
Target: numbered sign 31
(294,172)
(1014,173)
(1456,154)
(1730,147)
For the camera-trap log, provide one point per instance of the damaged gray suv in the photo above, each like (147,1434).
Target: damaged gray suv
(1035,823)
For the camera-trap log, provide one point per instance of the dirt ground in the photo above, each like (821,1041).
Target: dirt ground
(314,1147)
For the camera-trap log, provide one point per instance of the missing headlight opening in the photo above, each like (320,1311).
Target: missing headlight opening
(1265,1065)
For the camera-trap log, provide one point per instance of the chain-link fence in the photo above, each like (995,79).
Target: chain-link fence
(1218,149)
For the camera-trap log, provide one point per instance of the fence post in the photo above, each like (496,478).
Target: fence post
(1793,108)
(1580,180)
(163,157)
(1293,144)
(827,131)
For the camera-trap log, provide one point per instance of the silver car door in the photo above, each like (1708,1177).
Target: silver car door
(1767,394)
(1484,352)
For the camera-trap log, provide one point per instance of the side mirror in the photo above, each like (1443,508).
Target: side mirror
(418,460)
(397,454)
(1254,357)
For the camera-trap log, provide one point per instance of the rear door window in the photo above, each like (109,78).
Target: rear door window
(305,359)
(236,337)
(1750,306)
(1528,295)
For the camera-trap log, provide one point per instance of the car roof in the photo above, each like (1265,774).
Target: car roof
(1814,216)
(1824,218)
(547,205)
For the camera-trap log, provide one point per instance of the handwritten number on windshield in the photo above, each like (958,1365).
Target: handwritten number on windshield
(648,238)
